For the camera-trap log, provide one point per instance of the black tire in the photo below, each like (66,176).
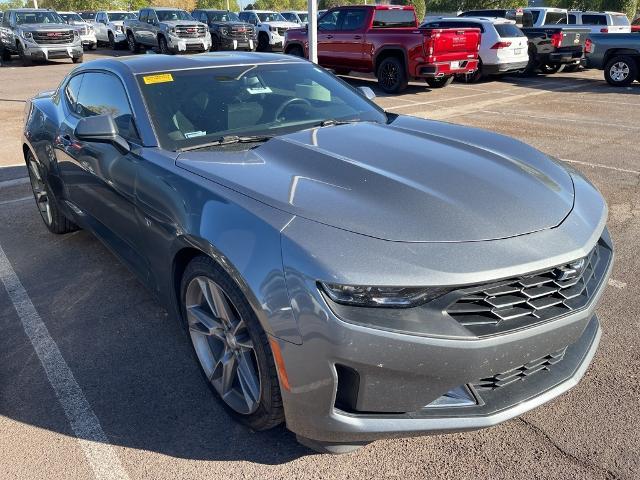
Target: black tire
(5,54)
(621,71)
(263,42)
(78,59)
(269,412)
(392,75)
(163,46)
(54,219)
(134,47)
(439,82)
(532,65)
(112,42)
(296,51)
(215,43)
(26,60)
(550,69)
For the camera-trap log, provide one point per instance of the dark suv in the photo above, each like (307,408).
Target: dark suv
(228,32)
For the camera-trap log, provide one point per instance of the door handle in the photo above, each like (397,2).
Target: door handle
(357,37)
(329,36)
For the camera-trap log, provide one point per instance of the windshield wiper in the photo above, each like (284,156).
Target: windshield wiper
(228,140)
(333,122)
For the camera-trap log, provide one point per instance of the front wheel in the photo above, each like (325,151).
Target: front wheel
(112,41)
(78,59)
(134,47)
(46,202)
(230,345)
(392,76)
(5,54)
(263,42)
(621,71)
(26,59)
(296,51)
(439,82)
(164,47)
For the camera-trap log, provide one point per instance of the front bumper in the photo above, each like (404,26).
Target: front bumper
(442,69)
(276,40)
(497,68)
(88,40)
(227,43)
(50,52)
(564,56)
(179,45)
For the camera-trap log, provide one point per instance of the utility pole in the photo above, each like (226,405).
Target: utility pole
(227,5)
(312,29)
(35,3)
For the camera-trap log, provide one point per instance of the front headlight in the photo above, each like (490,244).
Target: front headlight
(392,297)
(273,29)
(172,30)
(76,33)
(27,35)
(224,30)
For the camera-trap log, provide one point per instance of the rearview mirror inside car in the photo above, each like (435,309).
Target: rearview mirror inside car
(101,129)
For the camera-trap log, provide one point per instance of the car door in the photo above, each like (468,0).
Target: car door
(143,32)
(101,27)
(327,29)
(348,40)
(6,32)
(99,178)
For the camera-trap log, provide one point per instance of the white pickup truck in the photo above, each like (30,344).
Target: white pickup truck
(271,28)
(109,27)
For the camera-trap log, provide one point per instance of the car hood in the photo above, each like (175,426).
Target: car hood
(411,180)
(177,23)
(281,24)
(232,24)
(33,27)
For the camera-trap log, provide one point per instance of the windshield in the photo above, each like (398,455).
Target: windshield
(303,16)
(620,20)
(223,17)
(173,15)
(88,15)
(118,16)
(271,17)
(555,18)
(71,17)
(194,107)
(37,17)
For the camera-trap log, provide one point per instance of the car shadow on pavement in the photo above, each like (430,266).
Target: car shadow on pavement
(131,359)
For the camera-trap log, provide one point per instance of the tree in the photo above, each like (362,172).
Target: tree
(11,4)
(249,7)
(218,4)
(420,7)
(461,5)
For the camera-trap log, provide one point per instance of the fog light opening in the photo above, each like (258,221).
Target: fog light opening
(461,396)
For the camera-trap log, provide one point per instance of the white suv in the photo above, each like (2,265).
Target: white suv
(601,22)
(271,27)
(503,46)
(109,27)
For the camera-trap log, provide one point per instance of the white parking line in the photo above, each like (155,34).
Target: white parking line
(564,119)
(599,165)
(94,442)
(14,182)
(16,200)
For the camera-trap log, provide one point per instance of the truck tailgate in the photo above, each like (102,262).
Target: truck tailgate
(452,43)
(574,37)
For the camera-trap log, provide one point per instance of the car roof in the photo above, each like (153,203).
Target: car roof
(142,64)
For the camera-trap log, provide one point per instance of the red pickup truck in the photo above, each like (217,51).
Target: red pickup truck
(386,40)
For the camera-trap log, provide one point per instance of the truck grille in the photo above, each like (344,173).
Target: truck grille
(241,33)
(191,31)
(520,373)
(530,299)
(50,37)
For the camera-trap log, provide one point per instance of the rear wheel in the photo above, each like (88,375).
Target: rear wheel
(392,76)
(78,59)
(5,54)
(621,71)
(46,202)
(439,82)
(26,59)
(550,68)
(215,43)
(232,349)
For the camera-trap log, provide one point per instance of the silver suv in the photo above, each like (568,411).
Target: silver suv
(601,22)
(38,34)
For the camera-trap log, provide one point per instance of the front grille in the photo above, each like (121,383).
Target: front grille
(241,33)
(49,37)
(191,31)
(520,373)
(524,301)
(194,47)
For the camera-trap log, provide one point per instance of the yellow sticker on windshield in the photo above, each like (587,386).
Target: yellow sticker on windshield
(161,78)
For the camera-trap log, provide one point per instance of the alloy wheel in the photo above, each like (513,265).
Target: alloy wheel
(40,193)
(389,75)
(223,345)
(619,71)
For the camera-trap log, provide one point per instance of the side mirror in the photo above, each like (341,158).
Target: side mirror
(367,93)
(101,129)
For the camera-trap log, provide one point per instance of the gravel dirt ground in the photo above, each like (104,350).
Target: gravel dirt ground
(133,365)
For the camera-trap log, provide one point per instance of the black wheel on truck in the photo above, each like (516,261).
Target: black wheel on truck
(621,71)
(134,47)
(5,54)
(296,51)
(474,77)
(215,43)
(532,66)
(78,59)
(392,75)
(164,48)
(112,41)
(263,42)
(440,82)
(26,59)
(550,68)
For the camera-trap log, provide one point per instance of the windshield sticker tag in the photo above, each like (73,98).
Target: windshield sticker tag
(199,133)
(162,78)
(258,90)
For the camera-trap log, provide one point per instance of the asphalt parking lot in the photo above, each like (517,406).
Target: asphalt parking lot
(137,376)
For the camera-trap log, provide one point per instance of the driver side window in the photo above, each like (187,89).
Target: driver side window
(329,21)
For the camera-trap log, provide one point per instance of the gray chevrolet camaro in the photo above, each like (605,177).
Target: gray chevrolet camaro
(355,273)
